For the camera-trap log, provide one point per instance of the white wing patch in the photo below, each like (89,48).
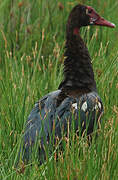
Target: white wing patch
(84,106)
(74,105)
(98,105)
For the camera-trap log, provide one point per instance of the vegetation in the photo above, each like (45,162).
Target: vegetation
(32,36)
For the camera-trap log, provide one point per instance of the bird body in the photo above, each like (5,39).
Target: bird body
(46,119)
(76,101)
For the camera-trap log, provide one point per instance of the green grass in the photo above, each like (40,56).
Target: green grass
(32,36)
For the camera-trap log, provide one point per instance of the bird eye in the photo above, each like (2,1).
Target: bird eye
(90,11)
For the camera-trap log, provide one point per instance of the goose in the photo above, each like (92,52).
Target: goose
(76,102)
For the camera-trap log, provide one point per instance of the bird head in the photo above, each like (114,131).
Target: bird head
(82,15)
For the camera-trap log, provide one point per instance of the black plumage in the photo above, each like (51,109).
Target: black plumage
(76,101)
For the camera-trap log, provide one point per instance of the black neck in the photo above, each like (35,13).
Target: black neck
(78,71)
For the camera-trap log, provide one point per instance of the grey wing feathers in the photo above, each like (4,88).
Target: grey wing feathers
(39,123)
(45,114)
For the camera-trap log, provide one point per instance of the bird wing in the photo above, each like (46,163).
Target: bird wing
(46,117)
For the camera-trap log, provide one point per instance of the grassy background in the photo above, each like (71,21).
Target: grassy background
(32,36)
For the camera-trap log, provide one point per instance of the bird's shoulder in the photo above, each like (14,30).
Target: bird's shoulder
(47,104)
